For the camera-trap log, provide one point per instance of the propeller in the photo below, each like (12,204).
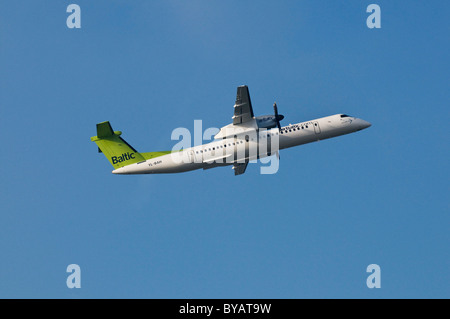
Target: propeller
(278,118)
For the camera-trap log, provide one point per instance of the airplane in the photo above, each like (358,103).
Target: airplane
(235,145)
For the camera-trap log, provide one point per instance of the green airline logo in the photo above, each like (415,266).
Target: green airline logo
(123,157)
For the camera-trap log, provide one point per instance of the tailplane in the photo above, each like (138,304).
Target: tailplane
(116,149)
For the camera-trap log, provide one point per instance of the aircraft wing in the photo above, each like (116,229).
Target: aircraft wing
(243,111)
(239,168)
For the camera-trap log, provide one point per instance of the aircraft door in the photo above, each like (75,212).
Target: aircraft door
(197,157)
(191,156)
(316,127)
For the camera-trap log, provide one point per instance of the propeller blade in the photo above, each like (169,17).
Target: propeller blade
(277,117)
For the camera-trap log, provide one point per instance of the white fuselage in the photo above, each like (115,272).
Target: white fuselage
(239,147)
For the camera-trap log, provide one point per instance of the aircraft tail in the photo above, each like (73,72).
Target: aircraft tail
(117,151)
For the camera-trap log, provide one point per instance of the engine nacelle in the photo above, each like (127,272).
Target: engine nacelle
(264,121)
(268,121)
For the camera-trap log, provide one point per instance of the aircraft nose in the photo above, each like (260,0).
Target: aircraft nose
(363,124)
(366,124)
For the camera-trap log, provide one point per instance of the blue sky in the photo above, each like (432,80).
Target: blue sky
(379,196)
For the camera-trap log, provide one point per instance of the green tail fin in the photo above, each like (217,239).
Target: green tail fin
(117,151)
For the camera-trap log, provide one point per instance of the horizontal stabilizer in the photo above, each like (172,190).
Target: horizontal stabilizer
(104,129)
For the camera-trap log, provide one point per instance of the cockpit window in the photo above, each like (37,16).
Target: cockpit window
(344,115)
